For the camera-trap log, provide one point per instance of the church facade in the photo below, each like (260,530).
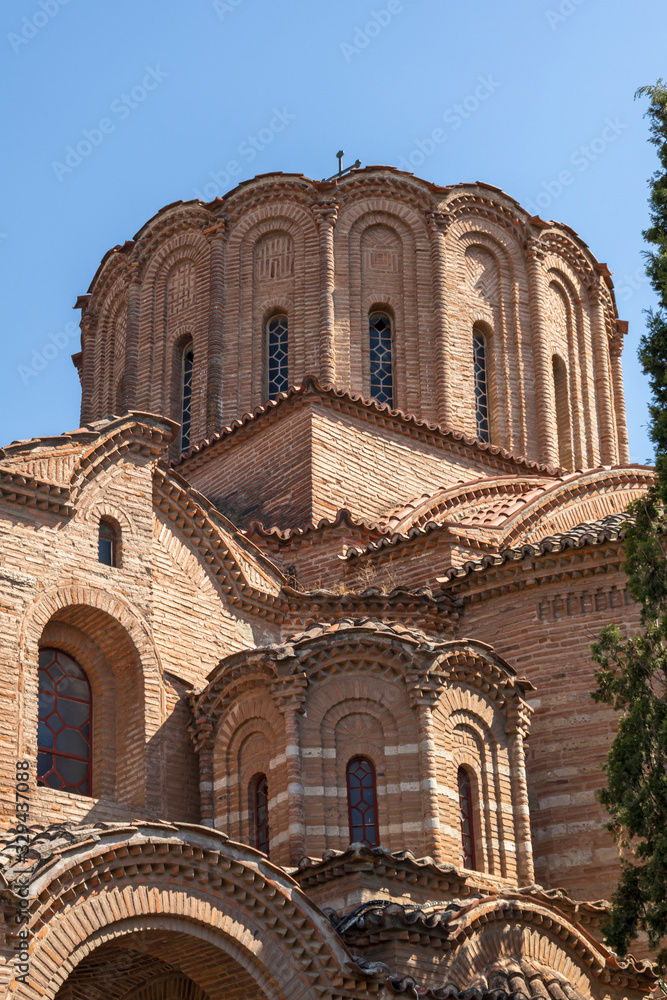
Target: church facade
(296,626)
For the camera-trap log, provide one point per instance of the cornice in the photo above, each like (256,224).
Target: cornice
(343,519)
(379,414)
(504,571)
(247,578)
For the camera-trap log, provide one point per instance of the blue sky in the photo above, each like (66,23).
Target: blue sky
(209,82)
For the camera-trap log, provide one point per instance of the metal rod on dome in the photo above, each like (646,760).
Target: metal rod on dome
(341,171)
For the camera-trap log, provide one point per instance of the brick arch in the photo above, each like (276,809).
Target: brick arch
(131,967)
(109,347)
(123,667)
(574,344)
(510,362)
(94,504)
(250,740)
(520,930)
(203,902)
(104,692)
(168,988)
(467,731)
(576,500)
(340,688)
(249,295)
(158,386)
(363,289)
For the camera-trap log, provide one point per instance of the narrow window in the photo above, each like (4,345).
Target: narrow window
(481,389)
(259,793)
(362,802)
(277,355)
(107,544)
(63,738)
(466,819)
(186,397)
(563,428)
(380,337)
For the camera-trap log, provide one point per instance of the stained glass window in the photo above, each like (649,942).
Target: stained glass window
(382,384)
(261,813)
(186,398)
(466,819)
(63,737)
(481,390)
(277,355)
(362,802)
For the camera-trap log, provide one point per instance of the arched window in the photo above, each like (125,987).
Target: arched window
(481,386)
(380,338)
(276,355)
(563,426)
(64,737)
(108,543)
(259,805)
(362,802)
(466,819)
(186,397)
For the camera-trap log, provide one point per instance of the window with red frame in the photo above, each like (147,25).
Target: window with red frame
(261,812)
(362,802)
(466,819)
(63,739)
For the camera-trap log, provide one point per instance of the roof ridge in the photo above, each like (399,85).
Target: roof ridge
(311,384)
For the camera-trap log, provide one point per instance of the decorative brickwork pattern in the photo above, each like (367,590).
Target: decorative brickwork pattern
(323,610)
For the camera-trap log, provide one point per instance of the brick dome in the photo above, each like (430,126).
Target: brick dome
(376,268)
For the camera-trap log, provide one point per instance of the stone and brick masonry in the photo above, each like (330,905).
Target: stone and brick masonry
(303,582)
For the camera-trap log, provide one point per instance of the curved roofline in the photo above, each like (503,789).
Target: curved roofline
(349,179)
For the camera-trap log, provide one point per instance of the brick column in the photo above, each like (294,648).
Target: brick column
(88,322)
(295,810)
(615,350)
(327,214)
(425,683)
(289,691)
(214,386)
(204,740)
(438,223)
(429,781)
(545,400)
(517,729)
(602,378)
(131,372)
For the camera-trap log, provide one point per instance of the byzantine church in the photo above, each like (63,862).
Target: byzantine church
(296,625)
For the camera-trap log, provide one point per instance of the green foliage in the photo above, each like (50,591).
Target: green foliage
(632,675)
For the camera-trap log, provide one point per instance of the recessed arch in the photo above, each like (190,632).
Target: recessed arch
(237,919)
(103,634)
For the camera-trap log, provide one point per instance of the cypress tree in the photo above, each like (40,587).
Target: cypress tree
(632,674)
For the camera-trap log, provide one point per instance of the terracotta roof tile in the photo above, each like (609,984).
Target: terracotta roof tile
(607,529)
(311,385)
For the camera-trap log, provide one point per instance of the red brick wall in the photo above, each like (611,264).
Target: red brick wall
(436,261)
(545,634)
